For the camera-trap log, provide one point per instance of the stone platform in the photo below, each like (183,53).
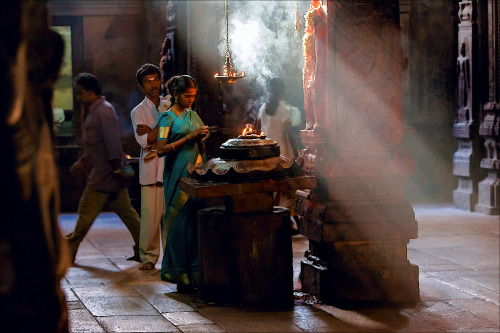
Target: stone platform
(457,253)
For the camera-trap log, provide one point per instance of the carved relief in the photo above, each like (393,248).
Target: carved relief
(463,75)
(315,40)
(465,11)
(171,11)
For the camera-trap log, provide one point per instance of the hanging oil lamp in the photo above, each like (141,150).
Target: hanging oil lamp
(230,75)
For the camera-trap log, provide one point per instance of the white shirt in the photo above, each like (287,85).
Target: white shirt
(274,128)
(146,113)
(295,115)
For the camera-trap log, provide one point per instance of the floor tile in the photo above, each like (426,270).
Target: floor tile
(456,251)
(69,294)
(75,305)
(473,288)
(200,328)
(119,306)
(248,320)
(447,317)
(105,291)
(81,320)
(483,309)
(464,257)
(186,318)
(432,289)
(166,302)
(491,281)
(136,324)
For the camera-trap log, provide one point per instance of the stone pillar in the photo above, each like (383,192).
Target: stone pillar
(357,220)
(466,158)
(489,187)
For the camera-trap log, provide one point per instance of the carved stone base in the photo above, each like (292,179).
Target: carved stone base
(489,195)
(358,252)
(463,129)
(464,161)
(464,197)
(350,285)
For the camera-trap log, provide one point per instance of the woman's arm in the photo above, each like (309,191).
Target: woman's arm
(164,147)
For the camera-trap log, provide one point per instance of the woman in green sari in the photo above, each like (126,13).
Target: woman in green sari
(181,135)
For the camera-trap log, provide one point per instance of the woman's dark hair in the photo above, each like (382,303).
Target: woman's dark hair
(275,87)
(170,85)
(146,69)
(89,82)
(180,84)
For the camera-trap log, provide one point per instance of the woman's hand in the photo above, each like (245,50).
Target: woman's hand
(200,132)
(142,129)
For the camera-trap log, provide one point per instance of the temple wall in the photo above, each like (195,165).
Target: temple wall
(112,40)
(133,31)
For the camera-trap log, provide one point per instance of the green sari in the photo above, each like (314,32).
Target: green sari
(180,258)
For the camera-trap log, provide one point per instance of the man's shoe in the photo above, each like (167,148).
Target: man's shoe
(135,258)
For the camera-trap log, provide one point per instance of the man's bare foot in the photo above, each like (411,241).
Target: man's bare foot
(147,266)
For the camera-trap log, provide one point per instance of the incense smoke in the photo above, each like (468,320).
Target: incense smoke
(263,43)
(261,38)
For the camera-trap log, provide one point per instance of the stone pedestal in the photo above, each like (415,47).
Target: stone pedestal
(357,220)
(489,188)
(245,258)
(361,272)
(245,248)
(465,166)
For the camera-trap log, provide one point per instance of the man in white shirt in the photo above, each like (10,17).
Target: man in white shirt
(145,116)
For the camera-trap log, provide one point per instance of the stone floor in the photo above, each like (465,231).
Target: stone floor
(457,253)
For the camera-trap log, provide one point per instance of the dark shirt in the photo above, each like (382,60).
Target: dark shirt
(102,143)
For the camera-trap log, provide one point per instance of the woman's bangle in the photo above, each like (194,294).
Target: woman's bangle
(173,147)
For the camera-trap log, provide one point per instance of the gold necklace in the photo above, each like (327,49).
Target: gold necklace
(179,115)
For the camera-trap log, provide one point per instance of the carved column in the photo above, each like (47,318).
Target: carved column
(173,52)
(466,158)
(358,221)
(489,187)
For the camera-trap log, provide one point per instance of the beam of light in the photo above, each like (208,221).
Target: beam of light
(262,40)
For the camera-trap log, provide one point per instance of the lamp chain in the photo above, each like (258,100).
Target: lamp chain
(226,13)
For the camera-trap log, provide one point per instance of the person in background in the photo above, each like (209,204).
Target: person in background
(274,119)
(103,153)
(296,124)
(181,137)
(150,166)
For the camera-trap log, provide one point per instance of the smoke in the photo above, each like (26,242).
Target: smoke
(261,38)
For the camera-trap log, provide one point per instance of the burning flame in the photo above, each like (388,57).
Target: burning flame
(250,129)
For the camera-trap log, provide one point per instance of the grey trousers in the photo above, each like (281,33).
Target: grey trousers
(91,204)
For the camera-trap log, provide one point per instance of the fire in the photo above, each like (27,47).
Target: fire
(250,130)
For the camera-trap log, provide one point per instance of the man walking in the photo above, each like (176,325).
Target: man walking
(103,152)
(145,116)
